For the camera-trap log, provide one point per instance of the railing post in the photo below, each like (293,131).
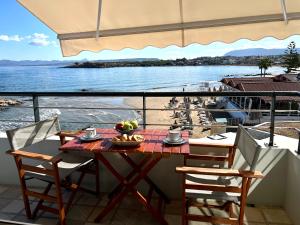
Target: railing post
(298,150)
(144,112)
(36,111)
(272,125)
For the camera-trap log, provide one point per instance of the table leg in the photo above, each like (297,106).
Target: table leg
(147,179)
(130,187)
(155,213)
(129,176)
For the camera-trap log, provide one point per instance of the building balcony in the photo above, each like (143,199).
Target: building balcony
(273,200)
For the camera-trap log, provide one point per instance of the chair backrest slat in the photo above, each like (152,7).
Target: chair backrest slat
(248,147)
(31,134)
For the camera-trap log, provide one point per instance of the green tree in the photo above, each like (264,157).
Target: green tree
(264,64)
(291,58)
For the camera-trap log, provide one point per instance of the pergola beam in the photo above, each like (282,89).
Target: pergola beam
(181,26)
(98,19)
(284,12)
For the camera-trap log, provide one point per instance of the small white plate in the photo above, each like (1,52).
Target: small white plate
(86,138)
(180,141)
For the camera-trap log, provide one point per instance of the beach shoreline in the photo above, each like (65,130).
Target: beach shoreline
(162,115)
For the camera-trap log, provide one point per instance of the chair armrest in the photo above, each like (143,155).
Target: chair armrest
(33,155)
(219,172)
(63,134)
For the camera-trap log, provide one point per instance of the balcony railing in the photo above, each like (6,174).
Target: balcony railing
(272,111)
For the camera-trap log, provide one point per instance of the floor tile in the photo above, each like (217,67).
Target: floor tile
(276,215)
(125,217)
(173,219)
(3,188)
(15,206)
(130,202)
(47,221)
(12,193)
(106,220)
(22,218)
(4,203)
(103,201)
(256,223)
(80,213)
(74,222)
(88,199)
(6,216)
(90,223)
(174,207)
(253,214)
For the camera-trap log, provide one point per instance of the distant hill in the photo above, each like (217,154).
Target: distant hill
(128,60)
(65,62)
(257,52)
(34,63)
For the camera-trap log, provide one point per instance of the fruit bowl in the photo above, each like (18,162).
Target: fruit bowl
(127,127)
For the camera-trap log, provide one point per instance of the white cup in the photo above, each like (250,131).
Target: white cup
(90,132)
(174,135)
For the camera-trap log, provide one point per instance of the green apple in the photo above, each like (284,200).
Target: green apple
(127,126)
(134,124)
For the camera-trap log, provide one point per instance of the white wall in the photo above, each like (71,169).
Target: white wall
(292,192)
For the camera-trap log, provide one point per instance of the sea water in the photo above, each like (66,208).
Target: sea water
(54,78)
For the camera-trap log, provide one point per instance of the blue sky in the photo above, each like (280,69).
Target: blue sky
(23,37)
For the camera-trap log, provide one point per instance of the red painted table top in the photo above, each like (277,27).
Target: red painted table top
(153,143)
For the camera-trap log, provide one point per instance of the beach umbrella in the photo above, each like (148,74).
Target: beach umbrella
(96,25)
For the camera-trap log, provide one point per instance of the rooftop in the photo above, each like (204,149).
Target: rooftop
(259,84)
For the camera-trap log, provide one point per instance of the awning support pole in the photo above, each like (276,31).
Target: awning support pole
(272,125)
(283,6)
(98,19)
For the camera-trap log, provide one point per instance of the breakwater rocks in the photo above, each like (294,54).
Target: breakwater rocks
(9,102)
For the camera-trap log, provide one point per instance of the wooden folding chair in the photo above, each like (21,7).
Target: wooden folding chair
(223,156)
(54,170)
(226,186)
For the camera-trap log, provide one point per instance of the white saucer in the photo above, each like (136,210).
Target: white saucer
(180,141)
(86,138)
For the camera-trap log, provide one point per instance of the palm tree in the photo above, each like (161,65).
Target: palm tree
(260,66)
(264,64)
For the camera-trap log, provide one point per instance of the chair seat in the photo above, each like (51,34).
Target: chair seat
(211,180)
(69,164)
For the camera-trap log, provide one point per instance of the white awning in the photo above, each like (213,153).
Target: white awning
(96,25)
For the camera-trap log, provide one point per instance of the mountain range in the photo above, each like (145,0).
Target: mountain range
(234,53)
(65,62)
(257,52)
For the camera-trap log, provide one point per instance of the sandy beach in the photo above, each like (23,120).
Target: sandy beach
(163,115)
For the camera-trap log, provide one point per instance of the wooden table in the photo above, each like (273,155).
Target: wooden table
(153,149)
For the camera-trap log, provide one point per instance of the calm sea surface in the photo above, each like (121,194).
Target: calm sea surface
(51,78)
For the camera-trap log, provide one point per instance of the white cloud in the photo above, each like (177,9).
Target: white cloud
(17,38)
(39,36)
(39,39)
(39,42)
(36,39)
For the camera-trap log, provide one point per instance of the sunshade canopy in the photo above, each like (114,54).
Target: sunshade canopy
(116,24)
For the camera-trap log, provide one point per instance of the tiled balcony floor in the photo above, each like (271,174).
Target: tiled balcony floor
(129,212)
